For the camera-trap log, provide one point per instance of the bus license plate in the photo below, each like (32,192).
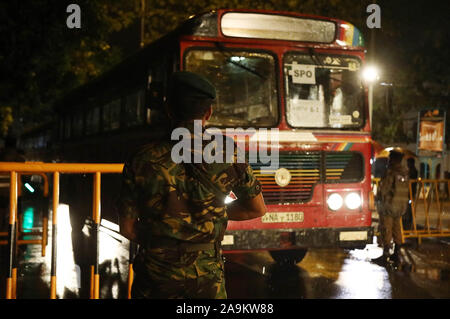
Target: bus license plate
(291,217)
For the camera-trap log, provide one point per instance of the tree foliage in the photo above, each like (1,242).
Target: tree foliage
(41,58)
(6,119)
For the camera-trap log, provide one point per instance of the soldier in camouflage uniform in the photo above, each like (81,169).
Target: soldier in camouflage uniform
(178,221)
(393,199)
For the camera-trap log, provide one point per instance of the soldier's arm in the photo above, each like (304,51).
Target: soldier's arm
(250,201)
(127,206)
(128,227)
(243,209)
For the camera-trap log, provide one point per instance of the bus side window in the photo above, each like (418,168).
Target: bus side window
(134,108)
(77,127)
(111,115)
(155,103)
(93,121)
(158,75)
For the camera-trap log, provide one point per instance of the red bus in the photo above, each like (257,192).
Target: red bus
(300,74)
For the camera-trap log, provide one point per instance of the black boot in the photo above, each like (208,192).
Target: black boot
(395,258)
(383,260)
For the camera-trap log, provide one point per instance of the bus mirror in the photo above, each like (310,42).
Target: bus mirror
(155,95)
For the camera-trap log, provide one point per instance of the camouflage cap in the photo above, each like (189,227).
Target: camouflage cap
(191,85)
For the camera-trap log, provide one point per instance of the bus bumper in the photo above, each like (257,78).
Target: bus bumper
(272,239)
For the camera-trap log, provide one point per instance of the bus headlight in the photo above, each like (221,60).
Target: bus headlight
(353,201)
(335,201)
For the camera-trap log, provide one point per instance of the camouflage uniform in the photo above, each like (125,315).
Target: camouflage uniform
(175,212)
(393,204)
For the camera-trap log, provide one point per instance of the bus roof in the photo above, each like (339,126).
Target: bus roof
(277,25)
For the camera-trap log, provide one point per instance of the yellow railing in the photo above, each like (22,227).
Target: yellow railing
(430,208)
(21,232)
(14,169)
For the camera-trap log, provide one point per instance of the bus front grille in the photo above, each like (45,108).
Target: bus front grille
(343,167)
(306,170)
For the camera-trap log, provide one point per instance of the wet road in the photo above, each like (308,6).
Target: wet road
(323,273)
(334,274)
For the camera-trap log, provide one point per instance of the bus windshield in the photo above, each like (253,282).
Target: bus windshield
(323,91)
(245,84)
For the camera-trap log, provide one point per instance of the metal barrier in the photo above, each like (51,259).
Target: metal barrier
(430,208)
(14,169)
(20,231)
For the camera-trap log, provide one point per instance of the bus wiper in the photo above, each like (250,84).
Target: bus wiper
(317,61)
(228,56)
(314,57)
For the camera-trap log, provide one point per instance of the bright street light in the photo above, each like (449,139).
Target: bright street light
(370,74)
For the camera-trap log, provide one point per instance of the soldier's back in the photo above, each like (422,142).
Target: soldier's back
(178,211)
(394,188)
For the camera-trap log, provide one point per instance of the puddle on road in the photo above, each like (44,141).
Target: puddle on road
(359,278)
(332,274)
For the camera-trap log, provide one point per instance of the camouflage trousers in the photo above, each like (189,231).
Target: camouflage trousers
(169,274)
(390,228)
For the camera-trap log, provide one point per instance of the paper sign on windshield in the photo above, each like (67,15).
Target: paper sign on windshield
(306,113)
(303,74)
